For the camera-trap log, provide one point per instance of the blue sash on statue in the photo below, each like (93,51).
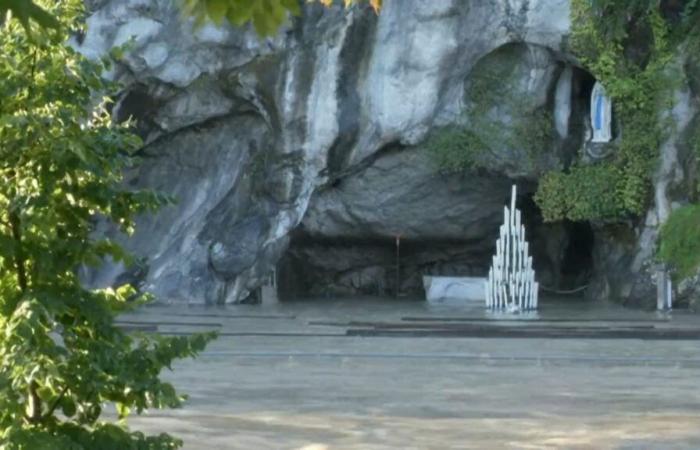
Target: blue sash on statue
(599,113)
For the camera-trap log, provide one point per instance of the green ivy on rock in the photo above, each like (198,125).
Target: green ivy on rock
(680,241)
(568,194)
(639,91)
(482,139)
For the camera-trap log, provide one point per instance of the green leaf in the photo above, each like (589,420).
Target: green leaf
(68,406)
(240,13)
(216,10)
(41,17)
(293,6)
(123,410)
(26,10)
(266,15)
(46,393)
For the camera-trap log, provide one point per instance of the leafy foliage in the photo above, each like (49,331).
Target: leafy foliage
(639,87)
(61,160)
(456,148)
(265,15)
(613,17)
(680,240)
(568,194)
(480,143)
(27,11)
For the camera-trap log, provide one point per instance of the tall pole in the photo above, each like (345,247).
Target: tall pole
(398,254)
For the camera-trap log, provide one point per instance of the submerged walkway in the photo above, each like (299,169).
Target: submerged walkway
(407,375)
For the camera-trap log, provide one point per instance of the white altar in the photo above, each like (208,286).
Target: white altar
(467,289)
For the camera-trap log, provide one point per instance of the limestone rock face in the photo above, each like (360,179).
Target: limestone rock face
(318,124)
(403,194)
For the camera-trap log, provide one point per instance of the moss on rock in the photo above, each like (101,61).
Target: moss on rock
(680,241)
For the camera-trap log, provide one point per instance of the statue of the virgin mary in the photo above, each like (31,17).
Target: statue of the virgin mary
(601,114)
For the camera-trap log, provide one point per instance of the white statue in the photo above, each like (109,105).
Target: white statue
(511,283)
(601,114)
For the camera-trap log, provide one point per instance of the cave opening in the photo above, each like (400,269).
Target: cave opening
(562,251)
(582,89)
(372,266)
(584,82)
(316,267)
(577,263)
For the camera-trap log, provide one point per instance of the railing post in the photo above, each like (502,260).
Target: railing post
(664,288)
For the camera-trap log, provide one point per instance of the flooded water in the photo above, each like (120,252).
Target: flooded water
(289,376)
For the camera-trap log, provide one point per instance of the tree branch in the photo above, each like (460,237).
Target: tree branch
(33,414)
(20,260)
(53,407)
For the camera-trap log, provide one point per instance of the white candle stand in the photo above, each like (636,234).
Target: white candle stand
(511,283)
